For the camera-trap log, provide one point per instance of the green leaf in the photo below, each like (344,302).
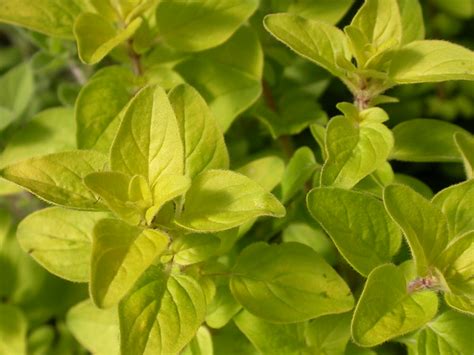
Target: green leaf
(294,114)
(112,188)
(457,267)
(460,303)
(18,88)
(417,185)
(267,171)
(386,310)
(52,17)
(218,200)
(379,21)
(48,132)
(329,334)
(13,328)
(60,240)
(317,41)
(287,283)
(358,224)
(299,170)
(57,178)
(161,314)
(431,61)
(99,104)
(148,141)
(120,255)
(201,343)
(203,142)
(96,36)
(270,338)
(457,204)
(5,225)
(411,16)
(201,24)
(355,150)
(222,308)
(228,76)
(426,140)
(312,236)
(194,248)
(465,145)
(328,11)
(96,329)
(450,333)
(424,225)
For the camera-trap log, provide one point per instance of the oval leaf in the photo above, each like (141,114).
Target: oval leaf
(386,310)
(201,24)
(431,61)
(120,255)
(60,240)
(148,141)
(203,142)
(161,314)
(358,224)
(220,199)
(58,178)
(288,283)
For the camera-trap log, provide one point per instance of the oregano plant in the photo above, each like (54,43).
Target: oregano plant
(179,177)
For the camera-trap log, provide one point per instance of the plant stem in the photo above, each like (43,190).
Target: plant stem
(135,59)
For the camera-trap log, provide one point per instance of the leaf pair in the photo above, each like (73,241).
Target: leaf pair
(356,144)
(440,235)
(386,39)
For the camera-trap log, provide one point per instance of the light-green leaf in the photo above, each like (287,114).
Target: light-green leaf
(379,21)
(449,334)
(96,329)
(161,314)
(267,171)
(329,334)
(328,11)
(13,328)
(49,131)
(228,76)
(465,145)
(99,104)
(424,225)
(220,199)
(112,188)
(411,16)
(299,170)
(60,240)
(270,338)
(317,41)
(203,142)
(201,343)
(148,141)
(355,150)
(18,88)
(358,224)
(201,24)
(431,61)
(386,310)
(194,248)
(96,36)
(426,140)
(58,178)
(457,203)
(222,308)
(120,255)
(288,283)
(51,17)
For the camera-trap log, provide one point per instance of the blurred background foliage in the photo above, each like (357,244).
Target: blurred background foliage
(40,78)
